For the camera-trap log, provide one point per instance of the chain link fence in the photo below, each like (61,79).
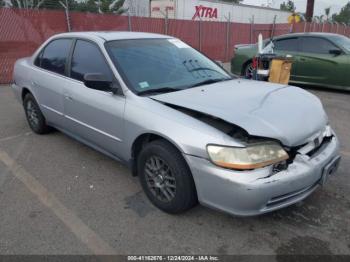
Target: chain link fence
(25,24)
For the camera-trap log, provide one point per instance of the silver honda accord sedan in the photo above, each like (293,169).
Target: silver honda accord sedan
(191,131)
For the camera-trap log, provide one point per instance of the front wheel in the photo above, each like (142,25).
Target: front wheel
(166,178)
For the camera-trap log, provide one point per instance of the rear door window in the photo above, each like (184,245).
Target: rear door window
(87,58)
(316,45)
(55,56)
(287,44)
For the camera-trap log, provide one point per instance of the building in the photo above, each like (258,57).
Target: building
(211,10)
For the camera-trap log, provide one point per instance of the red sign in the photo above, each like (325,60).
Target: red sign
(207,12)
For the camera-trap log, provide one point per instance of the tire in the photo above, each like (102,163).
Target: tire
(247,71)
(35,118)
(168,185)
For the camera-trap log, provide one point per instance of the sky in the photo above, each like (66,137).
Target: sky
(320,5)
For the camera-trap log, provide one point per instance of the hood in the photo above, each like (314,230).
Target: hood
(286,113)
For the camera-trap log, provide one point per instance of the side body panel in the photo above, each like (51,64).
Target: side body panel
(324,69)
(95,116)
(50,89)
(45,86)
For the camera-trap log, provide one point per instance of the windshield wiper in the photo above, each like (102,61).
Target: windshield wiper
(158,90)
(210,81)
(203,69)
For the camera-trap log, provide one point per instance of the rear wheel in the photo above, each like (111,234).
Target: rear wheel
(248,70)
(35,118)
(166,178)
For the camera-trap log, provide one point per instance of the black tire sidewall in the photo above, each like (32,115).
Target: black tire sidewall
(245,70)
(41,127)
(185,196)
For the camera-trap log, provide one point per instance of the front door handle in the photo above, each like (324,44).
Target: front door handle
(302,59)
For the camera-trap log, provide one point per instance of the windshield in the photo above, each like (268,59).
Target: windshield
(342,41)
(162,64)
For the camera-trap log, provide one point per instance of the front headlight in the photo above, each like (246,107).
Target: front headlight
(250,157)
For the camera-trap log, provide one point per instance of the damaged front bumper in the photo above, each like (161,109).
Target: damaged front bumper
(254,192)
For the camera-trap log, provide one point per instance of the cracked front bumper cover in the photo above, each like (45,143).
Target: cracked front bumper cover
(254,192)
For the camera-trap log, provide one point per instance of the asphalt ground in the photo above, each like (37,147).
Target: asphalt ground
(58,196)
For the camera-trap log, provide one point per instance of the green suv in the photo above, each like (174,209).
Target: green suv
(319,59)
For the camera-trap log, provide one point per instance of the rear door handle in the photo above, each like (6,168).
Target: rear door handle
(302,59)
(68,97)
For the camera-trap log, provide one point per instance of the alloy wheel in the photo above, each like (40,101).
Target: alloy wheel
(160,179)
(32,114)
(249,71)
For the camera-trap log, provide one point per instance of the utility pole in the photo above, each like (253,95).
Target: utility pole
(310,10)
(99,6)
(66,8)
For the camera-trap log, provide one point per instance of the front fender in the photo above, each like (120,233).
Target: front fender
(143,115)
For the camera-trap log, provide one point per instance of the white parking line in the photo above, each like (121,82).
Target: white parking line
(86,235)
(15,136)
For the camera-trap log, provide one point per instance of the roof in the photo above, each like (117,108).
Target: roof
(113,35)
(309,34)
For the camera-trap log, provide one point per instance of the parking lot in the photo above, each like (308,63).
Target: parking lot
(58,196)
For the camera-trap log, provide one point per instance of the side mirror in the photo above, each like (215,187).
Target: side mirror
(335,52)
(99,82)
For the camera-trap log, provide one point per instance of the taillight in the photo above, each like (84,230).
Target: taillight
(255,62)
